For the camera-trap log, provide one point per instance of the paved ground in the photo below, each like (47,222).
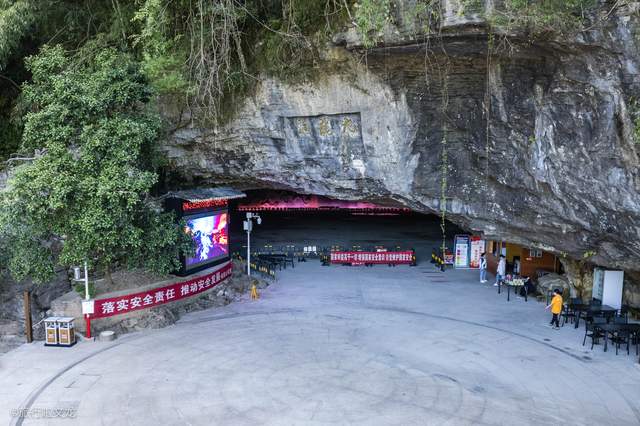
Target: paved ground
(338,345)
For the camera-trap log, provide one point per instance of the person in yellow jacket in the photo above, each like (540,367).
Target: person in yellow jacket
(556,308)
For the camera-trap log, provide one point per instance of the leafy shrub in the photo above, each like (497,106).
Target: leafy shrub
(371,17)
(79,288)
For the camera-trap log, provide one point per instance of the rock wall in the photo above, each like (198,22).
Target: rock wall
(538,134)
(12,322)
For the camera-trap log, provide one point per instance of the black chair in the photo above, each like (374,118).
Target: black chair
(620,320)
(621,337)
(592,330)
(569,312)
(634,339)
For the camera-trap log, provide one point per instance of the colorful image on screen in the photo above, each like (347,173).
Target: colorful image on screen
(210,238)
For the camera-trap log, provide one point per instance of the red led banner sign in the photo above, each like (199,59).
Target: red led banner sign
(159,296)
(202,204)
(313,202)
(373,257)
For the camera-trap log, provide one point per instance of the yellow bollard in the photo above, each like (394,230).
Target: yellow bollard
(254,292)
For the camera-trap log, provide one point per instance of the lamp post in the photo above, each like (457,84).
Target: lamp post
(78,277)
(248,226)
(87,305)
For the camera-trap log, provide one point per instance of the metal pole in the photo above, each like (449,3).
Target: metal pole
(86,282)
(27,317)
(249,247)
(86,297)
(87,320)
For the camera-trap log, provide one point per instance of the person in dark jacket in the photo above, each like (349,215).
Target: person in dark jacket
(483,268)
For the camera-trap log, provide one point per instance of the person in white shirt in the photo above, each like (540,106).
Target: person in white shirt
(502,268)
(483,268)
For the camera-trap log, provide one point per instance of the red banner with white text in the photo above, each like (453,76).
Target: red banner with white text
(372,257)
(161,295)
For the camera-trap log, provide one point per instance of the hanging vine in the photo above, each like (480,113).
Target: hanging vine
(487,109)
(444,160)
(443,188)
(430,15)
(215,51)
(427,16)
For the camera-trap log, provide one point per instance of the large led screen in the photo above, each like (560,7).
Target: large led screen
(210,235)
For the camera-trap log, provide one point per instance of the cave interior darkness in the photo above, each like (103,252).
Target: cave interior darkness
(329,227)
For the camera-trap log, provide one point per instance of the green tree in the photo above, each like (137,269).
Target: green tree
(16,18)
(85,194)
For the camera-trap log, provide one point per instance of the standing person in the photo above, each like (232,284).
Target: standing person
(502,269)
(483,268)
(556,308)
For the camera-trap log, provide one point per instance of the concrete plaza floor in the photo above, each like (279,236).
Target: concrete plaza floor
(342,346)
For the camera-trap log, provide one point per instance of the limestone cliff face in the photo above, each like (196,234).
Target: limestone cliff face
(538,135)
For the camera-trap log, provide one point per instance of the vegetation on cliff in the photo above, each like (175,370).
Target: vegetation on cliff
(90,134)
(80,120)
(83,112)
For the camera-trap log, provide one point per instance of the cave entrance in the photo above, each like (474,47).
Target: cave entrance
(307,220)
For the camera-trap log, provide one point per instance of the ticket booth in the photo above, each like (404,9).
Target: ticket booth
(66,331)
(51,331)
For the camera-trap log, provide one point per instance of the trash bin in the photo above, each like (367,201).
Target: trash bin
(51,331)
(66,331)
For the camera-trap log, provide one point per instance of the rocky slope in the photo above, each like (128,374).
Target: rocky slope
(538,135)
(12,321)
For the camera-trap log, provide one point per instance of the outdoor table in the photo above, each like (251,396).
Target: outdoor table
(612,328)
(515,283)
(605,310)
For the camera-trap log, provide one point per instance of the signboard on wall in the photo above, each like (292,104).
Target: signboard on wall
(477,248)
(461,249)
